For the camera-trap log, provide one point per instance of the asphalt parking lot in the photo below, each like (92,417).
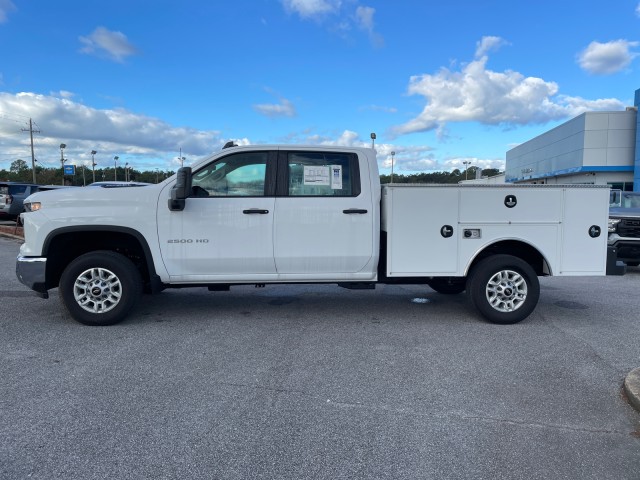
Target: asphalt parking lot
(317,382)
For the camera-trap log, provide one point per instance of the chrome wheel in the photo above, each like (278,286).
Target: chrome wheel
(506,291)
(97,290)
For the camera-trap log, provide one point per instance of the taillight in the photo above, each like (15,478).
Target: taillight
(9,199)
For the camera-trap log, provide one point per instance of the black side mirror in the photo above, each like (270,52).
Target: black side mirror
(181,190)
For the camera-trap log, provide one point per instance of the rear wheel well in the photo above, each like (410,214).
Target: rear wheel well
(66,246)
(518,249)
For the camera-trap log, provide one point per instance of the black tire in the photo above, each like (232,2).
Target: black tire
(100,288)
(504,289)
(448,286)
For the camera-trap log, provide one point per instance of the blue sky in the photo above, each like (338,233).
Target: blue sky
(440,83)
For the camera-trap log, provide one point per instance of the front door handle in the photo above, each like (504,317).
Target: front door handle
(258,211)
(350,211)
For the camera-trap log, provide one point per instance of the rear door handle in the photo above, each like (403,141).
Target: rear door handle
(350,211)
(258,211)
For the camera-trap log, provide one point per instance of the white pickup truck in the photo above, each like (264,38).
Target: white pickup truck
(297,214)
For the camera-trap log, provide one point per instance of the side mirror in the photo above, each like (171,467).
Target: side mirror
(181,190)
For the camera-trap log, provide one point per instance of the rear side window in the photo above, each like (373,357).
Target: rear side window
(318,174)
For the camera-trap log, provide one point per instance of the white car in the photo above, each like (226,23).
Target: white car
(114,184)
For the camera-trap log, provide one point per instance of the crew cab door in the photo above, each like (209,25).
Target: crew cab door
(225,231)
(325,226)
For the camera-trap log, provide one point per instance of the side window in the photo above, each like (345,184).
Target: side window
(17,189)
(323,174)
(236,175)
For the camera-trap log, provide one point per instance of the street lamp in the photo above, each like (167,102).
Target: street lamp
(62,160)
(466,168)
(393,154)
(115,166)
(373,140)
(126,174)
(93,164)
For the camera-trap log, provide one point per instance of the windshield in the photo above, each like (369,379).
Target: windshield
(621,199)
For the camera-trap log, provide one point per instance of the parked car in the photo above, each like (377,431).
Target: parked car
(115,184)
(624,226)
(12,194)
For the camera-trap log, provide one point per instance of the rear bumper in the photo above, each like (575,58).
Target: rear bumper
(31,271)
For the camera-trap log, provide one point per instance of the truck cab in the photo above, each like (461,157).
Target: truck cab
(275,215)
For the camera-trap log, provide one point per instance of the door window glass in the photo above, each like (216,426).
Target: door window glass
(239,175)
(322,174)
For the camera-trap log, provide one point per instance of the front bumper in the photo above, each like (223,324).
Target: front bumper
(628,248)
(31,271)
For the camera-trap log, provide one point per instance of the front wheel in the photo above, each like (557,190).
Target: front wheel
(504,288)
(100,288)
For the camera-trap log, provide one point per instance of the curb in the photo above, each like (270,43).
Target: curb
(10,235)
(4,233)
(632,388)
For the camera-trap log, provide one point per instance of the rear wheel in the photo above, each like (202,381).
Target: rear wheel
(504,288)
(100,288)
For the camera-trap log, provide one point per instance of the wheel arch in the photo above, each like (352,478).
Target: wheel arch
(517,248)
(65,244)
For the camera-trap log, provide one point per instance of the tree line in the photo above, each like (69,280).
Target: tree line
(439,177)
(21,172)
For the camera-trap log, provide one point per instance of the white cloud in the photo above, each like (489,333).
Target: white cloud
(477,94)
(343,16)
(638,10)
(6,6)
(379,108)
(82,128)
(607,58)
(114,45)
(488,44)
(284,107)
(310,9)
(364,20)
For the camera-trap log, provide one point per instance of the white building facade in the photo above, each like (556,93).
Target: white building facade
(593,148)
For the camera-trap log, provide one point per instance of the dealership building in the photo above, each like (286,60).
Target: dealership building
(593,148)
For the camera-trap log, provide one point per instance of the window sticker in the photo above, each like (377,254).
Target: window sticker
(336,177)
(317,175)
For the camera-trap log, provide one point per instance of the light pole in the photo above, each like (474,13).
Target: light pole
(115,166)
(393,154)
(93,164)
(156,175)
(373,140)
(126,177)
(62,160)
(466,168)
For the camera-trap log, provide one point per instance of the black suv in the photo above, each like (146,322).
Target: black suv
(624,226)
